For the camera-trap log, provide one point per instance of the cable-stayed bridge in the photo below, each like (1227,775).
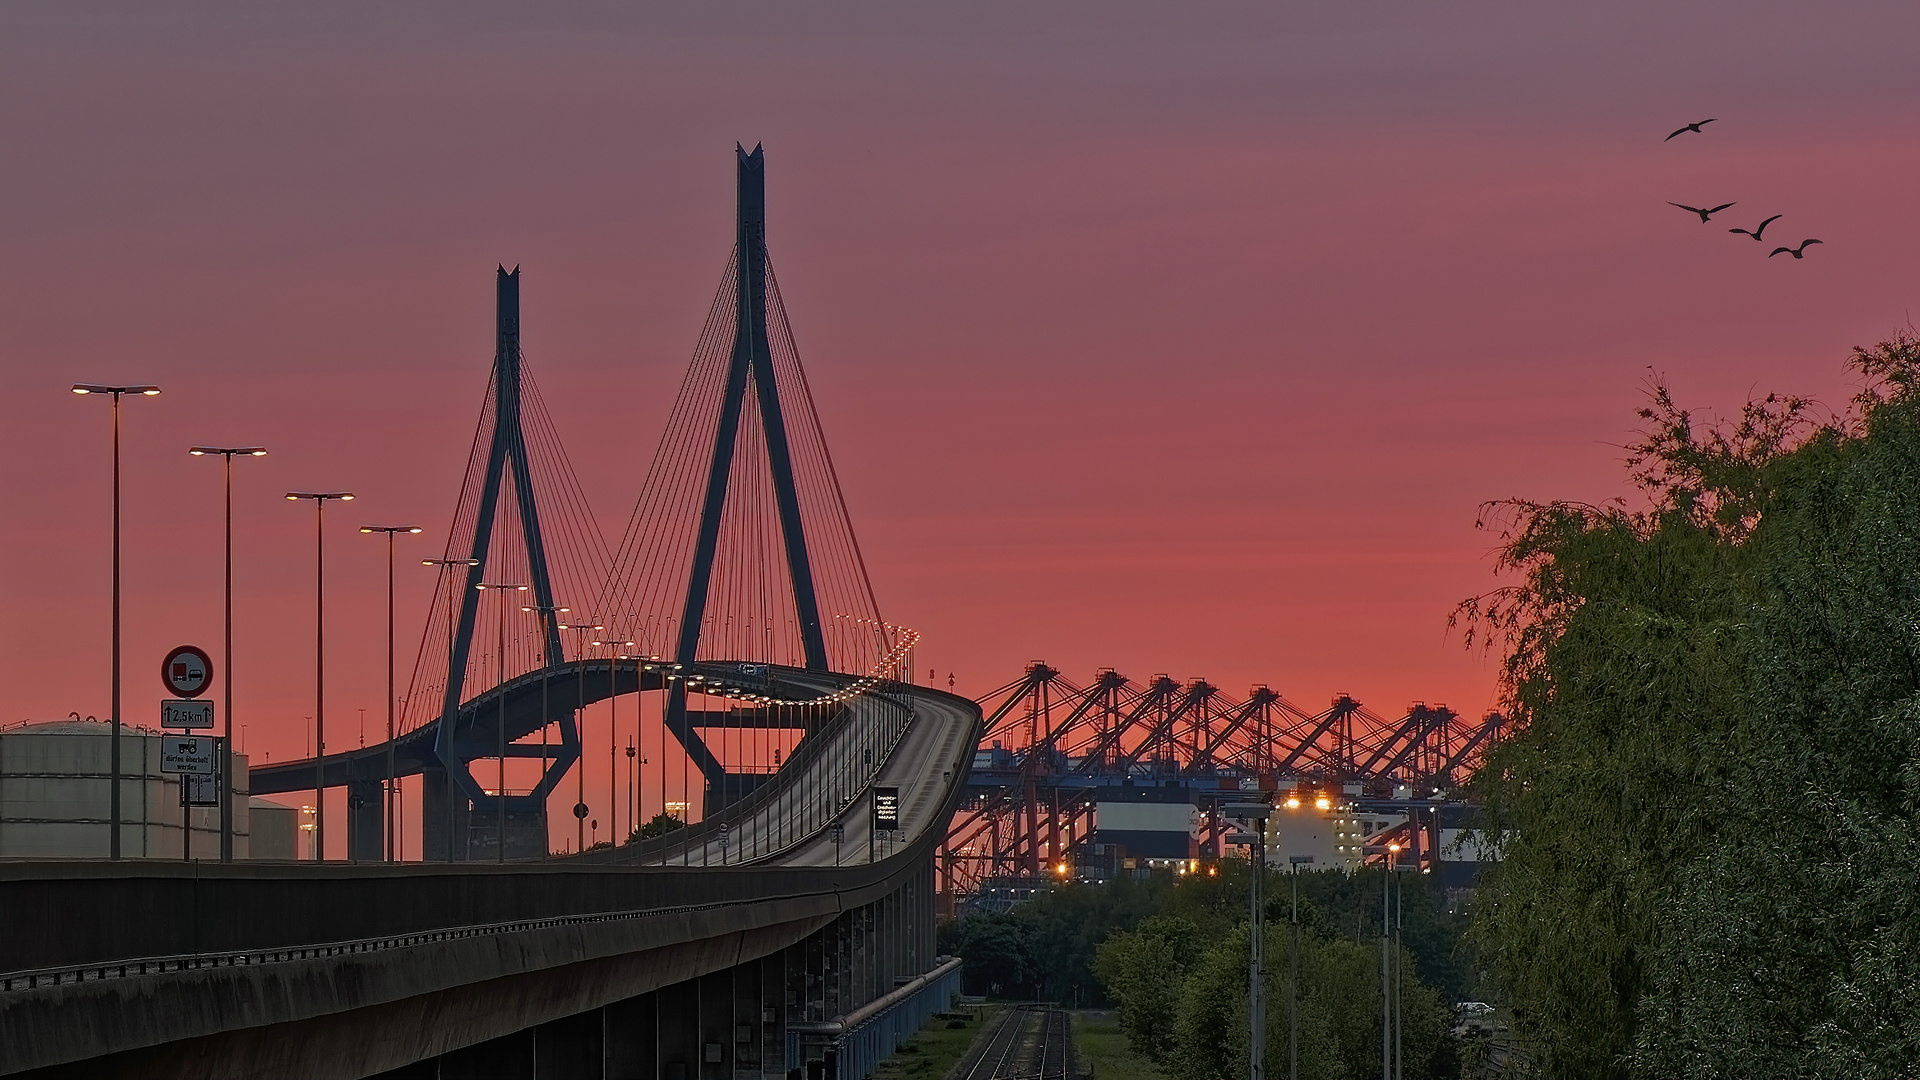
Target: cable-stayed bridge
(786,928)
(779,928)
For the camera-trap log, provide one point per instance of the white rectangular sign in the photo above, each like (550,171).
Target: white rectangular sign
(187,714)
(199,790)
(187,754)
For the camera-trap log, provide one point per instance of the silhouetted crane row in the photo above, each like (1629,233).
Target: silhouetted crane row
(1052,747)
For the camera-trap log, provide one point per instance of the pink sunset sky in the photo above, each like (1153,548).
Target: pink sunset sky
(1176,338)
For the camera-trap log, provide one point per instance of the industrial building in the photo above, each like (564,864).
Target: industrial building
(56,797)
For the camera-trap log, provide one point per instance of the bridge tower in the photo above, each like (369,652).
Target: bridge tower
(741,548)
(751,365)
(462,815)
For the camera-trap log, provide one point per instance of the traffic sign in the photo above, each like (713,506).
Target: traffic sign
(187,672)
(197,790)
(187,754)
(186,714)
(886,808)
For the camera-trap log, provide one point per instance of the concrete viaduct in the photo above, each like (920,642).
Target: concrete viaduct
(664,961)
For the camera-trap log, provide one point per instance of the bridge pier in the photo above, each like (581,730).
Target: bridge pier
(366,811)
(476,828)
(434,826)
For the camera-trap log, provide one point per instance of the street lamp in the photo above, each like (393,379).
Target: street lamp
(580,712)
(613,734)
(1257,813)
(1400,975)
(451,713)
(546,661)
(391,531)
(500,696)
(226,742)
(113,796)
(1387,965)
(1294,863)
(320,500)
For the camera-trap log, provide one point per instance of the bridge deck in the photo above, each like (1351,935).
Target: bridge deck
(102,957)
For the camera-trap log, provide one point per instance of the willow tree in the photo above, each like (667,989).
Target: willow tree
(1706,804)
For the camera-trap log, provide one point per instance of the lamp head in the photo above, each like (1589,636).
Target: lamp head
(101,388)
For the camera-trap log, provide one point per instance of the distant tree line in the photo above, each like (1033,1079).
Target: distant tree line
(1171,953)
(1708,802)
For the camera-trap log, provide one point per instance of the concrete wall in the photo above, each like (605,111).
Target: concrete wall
(850,934)
(275,830)
(849,994)
(56,794)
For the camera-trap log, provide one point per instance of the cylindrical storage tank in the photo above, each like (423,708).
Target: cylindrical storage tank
(56,787)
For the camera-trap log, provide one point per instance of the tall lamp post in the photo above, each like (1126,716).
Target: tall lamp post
(226,742)
(546,662)
(113,796)
(618,653)
(500,720)
(1394,869)
(1386,963)
(1294,863)
(320,500)
(1257,814)
(580,718)
(387,810)
(446,566)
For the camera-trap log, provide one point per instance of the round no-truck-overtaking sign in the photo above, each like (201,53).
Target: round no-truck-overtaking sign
(187,671)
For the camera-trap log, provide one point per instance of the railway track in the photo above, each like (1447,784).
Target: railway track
(1027,1042)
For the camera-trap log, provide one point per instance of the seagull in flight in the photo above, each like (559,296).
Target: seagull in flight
(1704,214)
(1693,127)
(1795,252)
(1763,228)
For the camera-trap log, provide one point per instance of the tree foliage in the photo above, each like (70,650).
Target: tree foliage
(659,825)
(1145,970)
(1706,802)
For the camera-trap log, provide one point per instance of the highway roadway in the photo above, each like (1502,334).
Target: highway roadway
(336,969)
(933,752)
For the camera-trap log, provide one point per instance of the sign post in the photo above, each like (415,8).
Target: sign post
(187,754)
(886,814)
(192,759)
(186,672)
(186,714)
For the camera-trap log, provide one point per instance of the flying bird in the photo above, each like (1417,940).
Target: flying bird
(1763,228)
(1693,127)
(1704,214)
(1795,252)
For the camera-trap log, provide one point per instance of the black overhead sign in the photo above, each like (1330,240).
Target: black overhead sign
(886,808)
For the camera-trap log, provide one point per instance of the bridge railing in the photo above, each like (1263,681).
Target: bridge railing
(846,746)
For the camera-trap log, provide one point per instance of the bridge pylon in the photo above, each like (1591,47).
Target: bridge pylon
(741,547)
(469,812)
